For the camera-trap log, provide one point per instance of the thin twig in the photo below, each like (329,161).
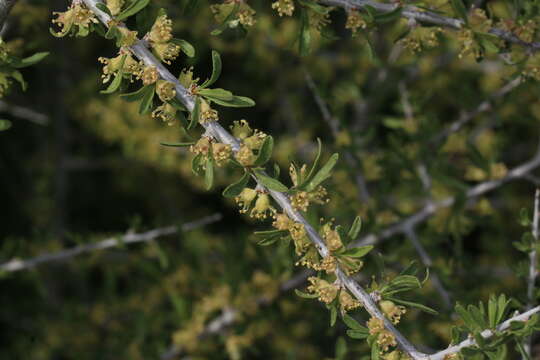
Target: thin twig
(441,355)
(400,227)
(24,113)
(17,265)
(428,262)
(533,260)
(5,8)
(467,116)
(334,127)
(423,16)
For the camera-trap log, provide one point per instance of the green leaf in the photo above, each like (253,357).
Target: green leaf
(177,144)
(115,84)
(333,315)
(31,60)
(236,101)
(315,163)
(209,173)
(524,219)
(323,174)
(272,184)
(268,241)
(195,114)
(341,348)
(220,94)
(353,324)
(411,304)
(136,95)
(305,295)
(185,46)
(19,78)
(104,8)
(466,317)
(236,188)
(357,252)
(393,15)
(225,22)
(148,99)
(134,8)
(357,334)
(216,69)
(265,153)
(304,38)
(4,124)
(459,9)
(196,163)
(355,228)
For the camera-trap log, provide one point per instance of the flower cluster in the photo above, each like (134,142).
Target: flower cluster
(283,7)
(115,6)
(328,292)
(355,21)
(421,37)
(251,141)
(385,339)
(244,15)
(262,207)
(392,311)
(160,37)
(112,66)
(300,200)
(206,147)
(75,21)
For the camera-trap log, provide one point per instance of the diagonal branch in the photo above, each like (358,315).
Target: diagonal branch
(17,265)
(5,8)
(430,17)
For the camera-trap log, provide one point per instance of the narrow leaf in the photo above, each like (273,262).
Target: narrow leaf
(323,174)
(134,8)
(185,46)
(236,188)
(147,100)
(216,69)
(209,173)
(305,295)
(357,252)
(272,184)
(355,228)
(177,144)
(31,60)
(265,153)
(195,114)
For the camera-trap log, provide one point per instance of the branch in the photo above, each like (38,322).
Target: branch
(533,259)
(5,8)
(430,17)
(518,172)
(16,264)
(24,113)
(441,355)
(334,127)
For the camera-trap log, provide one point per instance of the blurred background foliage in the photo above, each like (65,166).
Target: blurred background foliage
(95,168)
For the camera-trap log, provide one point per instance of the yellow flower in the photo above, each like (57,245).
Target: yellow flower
(245,199)
(77,15)
(127,37)
(166,113)
(262,207)
(386,340)
(255,141)
(355,21)
(283,7)
(392,311)
(221,153)
(149,75)
(115,6)
(240,129)
(245,156)
(201,147)
(375,325)
(300,239)
(166,52)
(300,201)
(347,302)
(325,291)
(165,90)
(161,31)
(282,222)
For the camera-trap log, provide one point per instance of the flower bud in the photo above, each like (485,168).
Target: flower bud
(240,129)
(165,90)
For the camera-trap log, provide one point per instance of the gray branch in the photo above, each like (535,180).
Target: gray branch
(24,113)
(17,265)
(429,17)
(5,8)
(533,260)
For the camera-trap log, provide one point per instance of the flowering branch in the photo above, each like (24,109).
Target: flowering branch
(17,265)
(421,15)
